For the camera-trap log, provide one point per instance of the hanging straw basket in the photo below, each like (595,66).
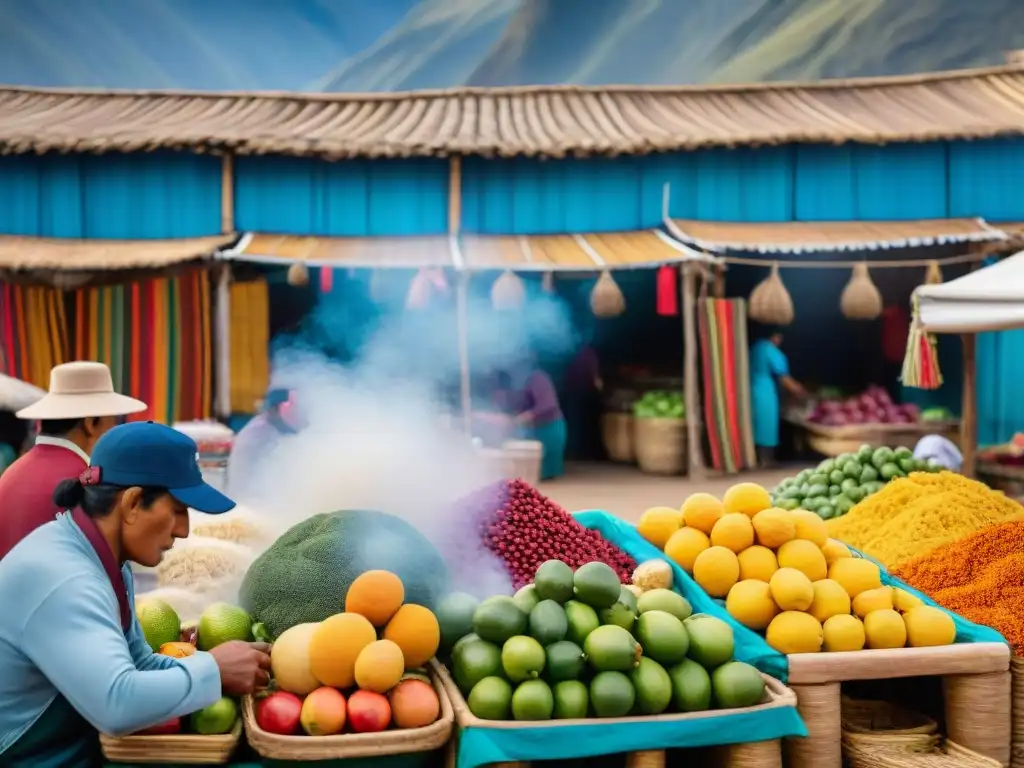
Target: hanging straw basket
(606,300)
(179,749)
(508,291)
(660,445)
(617,435)
(353,745)
(298,274)
(861,299)
(770,302)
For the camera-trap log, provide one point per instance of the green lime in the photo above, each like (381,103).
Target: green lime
(221,623)
(215,719)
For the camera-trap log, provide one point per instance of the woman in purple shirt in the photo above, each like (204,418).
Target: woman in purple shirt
(538,416)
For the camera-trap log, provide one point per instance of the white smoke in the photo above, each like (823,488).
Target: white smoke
(377,435)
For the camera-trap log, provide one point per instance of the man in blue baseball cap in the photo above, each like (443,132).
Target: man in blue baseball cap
(68,585)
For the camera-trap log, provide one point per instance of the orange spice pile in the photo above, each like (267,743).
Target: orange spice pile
(980,577)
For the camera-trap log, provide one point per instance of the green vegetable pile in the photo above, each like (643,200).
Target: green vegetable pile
(659,404)
(578,645)
(833,487)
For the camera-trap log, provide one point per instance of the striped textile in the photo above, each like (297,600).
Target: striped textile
(725,362)
(156,337)
(249,340)
(33,332)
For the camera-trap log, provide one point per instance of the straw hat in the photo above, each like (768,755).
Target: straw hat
(81,390)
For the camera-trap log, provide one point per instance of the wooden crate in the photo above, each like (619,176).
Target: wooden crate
(976,692)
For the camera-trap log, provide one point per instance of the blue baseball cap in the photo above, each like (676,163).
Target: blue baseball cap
(155,456)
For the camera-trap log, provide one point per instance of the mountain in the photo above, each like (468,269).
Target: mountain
(388,45)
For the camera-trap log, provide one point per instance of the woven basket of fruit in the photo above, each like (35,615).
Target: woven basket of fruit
(171,747)
(376,724)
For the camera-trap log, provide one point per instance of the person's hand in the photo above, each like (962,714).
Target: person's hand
(244,667)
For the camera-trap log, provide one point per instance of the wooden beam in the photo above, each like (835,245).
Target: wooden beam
(691,385)
(227,193)
(454,195)
(969,406)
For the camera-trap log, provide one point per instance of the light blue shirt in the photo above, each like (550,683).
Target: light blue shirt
(60,633)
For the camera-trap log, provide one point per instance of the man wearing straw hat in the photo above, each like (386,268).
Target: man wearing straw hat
(79,408)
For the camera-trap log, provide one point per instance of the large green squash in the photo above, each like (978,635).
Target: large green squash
(305,575)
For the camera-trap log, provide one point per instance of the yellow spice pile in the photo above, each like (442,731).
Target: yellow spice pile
(914,515)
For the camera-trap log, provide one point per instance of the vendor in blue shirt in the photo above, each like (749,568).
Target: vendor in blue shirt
(769,370)
(74,659)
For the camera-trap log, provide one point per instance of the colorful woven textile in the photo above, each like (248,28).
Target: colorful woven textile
(33,332)
(156,337)
(249,340)
(726,367)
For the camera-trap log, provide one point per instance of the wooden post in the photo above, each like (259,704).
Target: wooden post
(227,193)
(969,405)
(691,386)
(461,291)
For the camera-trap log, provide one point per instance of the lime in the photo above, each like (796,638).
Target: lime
(160,624)
(490,699)
(533,700)
(221,623)
(215,719)
(571,700)
(522,658)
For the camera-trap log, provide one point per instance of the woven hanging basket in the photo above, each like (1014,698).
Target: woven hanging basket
(508,292)
(933,275)
(606,300)
(861,299)
(770,302)
(418,296)
(298,274)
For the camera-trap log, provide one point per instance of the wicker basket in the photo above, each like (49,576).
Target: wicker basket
(660,445)
(349,745)
(524,458)
(183,749)
(867,723)
(1017,710)
(939,755)
(617,436)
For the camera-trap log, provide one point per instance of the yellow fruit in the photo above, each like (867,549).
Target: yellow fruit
(832,549)
(379,666)
(794,632)
(810,527)
(415,630)
(885,629)
(733,531)
(877,599)
(903,601)
(855,574)
(335,645)
(805,556)
(702,511)
(791,589)
(657,524)
(289,660)
(928,626)
(748,498)
(757,563)
(750,603)
(774,527)
(716,569)
(377,595)
(684,545)
(830,599)
(843,632)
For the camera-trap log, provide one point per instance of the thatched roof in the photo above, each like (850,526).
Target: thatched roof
(538,121)
(65,254)
(827,236)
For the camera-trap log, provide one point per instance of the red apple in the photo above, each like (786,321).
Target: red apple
(168,728)
(279,713)
(368,712)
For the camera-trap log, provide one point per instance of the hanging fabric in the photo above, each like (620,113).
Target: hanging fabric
(33,332)
(250,344)
(921,365)
(667,291)
(326,279)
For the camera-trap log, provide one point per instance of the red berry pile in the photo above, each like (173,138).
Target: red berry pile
(524,528)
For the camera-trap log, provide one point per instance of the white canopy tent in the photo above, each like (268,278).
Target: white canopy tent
(988,299)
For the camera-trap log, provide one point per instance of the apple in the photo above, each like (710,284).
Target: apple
(279,713)
(368,712)
(168,728)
